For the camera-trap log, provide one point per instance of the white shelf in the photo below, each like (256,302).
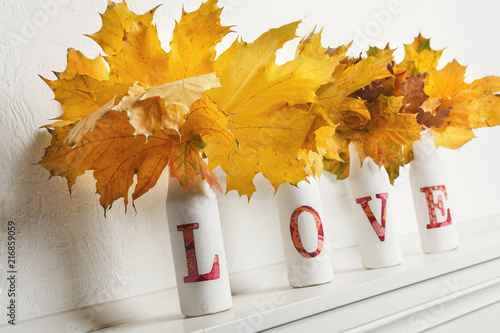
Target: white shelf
(404,297)
(426,291)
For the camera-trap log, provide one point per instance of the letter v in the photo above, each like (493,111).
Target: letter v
(379,228)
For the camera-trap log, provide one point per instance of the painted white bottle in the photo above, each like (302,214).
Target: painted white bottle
(428,182)
(371,192)
(197,249)
(306,249)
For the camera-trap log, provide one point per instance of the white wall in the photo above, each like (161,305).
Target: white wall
(70,256)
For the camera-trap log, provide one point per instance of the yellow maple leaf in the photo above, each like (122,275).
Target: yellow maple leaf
(485,111)
(320,139)
(353,77)
(349,77)
(81,95)
(310,43)
(193,42)
(78,63)
(141,58)
(253,77)
(268,134)
(447,82)
(419,56)
(205,120)
(226,57)
(269,117)
(487,85)
(117,20)
(471,106)
(452,137)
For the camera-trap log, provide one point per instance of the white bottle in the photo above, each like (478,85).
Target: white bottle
(371,192)
(302,229)
(437,231)
(197,249)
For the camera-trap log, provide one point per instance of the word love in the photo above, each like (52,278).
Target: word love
(435,196)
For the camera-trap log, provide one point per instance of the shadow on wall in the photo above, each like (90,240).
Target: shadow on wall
(68,255)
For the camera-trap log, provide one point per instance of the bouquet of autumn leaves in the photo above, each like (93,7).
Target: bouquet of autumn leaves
(243,112)
(154,109)
(384,117)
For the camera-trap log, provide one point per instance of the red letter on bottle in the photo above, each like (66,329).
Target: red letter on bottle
(193,276)
(432,206)
(294,231)
(379,228)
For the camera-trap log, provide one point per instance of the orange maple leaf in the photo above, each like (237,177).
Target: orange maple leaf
(114,154)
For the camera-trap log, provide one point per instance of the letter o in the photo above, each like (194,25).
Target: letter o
(294,231)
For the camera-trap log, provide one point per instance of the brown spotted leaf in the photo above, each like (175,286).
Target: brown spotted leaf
(431,119)
(412,88)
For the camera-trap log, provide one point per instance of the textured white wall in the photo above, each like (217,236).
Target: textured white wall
(70,256)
